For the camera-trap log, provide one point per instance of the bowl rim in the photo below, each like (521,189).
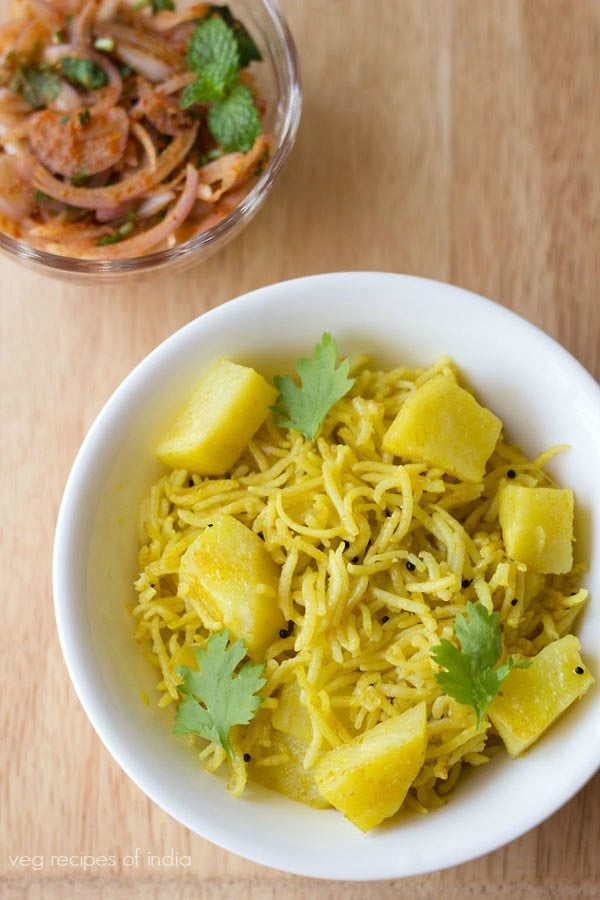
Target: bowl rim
(66,549)
(213,237)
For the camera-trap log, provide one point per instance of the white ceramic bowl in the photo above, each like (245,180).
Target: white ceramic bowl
(542,394)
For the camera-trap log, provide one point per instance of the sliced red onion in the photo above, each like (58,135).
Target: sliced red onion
(68,99)
(167,19)
(107,10)
(117,212)
(81,26)
(147,144)
(177,83)
(111,94)
(154,204)
(142,243)
(156,46)
(54,52)
(149,66)
(140,182)
(16,194)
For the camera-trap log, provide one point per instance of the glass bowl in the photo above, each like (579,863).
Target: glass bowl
(278,78)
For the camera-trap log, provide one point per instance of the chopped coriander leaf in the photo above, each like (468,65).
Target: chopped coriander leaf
(234,122)
(59,37)
(261,164)
(85,117)
(304,408)
(247,49)
(470,677)
(107,239)
(219,695)
(79,177)
(84,72)
(125,71)
(38,85)
(64,120)
(117,236)
(213,56)
(156,5)
(41,197)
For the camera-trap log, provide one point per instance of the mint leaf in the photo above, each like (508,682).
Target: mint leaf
(247,49)
(213,56)
(216,697)
(84,72)
(470,677)
(192,93)
(234,122)
(157,5)
(38,86)
(304,408)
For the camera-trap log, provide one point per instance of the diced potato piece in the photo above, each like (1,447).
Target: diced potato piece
(531,699)
(537,527)
(228,570)
(369,778)
(228,406)
(291,715)
(443,424)
(290,778)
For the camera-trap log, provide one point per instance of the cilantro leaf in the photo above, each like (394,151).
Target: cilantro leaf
(38,86)
(470,677)
(304,408)
(234,122)
(213,56)
(84,72)
(215,697)
(156,5)
(246,47)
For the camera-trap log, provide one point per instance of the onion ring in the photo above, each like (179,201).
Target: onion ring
(141,243)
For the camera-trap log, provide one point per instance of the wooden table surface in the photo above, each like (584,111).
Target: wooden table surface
(457,139)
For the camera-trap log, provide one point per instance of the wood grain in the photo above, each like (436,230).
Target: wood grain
(457,139)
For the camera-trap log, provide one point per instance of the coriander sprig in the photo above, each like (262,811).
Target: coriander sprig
(219,695)
(470,676)
(304,407)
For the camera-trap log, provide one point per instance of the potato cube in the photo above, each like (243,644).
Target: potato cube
(227,408)
(443,424)
(291,715)
(290,778)
(290,718)
(537,527)
(228,570)
(531,699)
(368,778)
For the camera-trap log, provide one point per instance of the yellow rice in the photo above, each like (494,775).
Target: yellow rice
(342,519)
